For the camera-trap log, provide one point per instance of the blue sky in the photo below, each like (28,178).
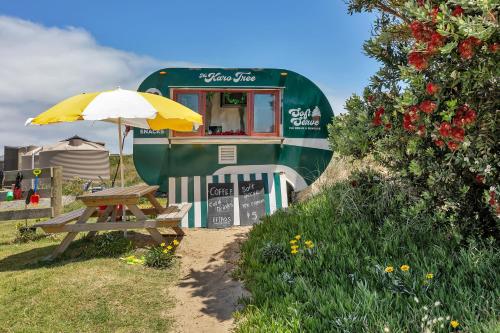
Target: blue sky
(316,38)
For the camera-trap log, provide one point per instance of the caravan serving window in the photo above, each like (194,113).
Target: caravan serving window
(233,113)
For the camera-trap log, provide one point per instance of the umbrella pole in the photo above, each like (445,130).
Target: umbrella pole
(120,145)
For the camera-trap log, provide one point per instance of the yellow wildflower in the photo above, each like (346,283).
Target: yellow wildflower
(169,247)
(405,268)
(162,244)
(165,251)
(294,247)
(297,237)
(309,244)
(389,269)
(294,251)
(175,242)
(293,241)
(429,276)
(454,323)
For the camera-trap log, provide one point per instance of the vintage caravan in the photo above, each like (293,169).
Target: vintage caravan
(264,129)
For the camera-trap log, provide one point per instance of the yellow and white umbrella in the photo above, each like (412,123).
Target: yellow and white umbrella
(123,107)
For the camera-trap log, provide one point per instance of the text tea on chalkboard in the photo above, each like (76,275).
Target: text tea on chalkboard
(252,201)
(220,205)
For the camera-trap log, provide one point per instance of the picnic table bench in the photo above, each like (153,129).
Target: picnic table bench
(166,217)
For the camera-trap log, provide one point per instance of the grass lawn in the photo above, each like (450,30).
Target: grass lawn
(88,290)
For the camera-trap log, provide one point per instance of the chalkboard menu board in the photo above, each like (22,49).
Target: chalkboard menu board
(220,205)
(252,201)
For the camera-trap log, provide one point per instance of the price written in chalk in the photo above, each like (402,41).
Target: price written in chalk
(251,201)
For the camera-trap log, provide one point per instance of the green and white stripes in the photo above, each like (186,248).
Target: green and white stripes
(194,190)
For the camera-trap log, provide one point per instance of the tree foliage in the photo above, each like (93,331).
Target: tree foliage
(430,113)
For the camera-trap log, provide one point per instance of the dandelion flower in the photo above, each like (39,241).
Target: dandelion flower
(405,268)
(297,237)
(294,247)
(294,251)
(162,244)
(169,247)
(175,242)
(429,276)
(454,323)
(293,241)
(165,251)
(309,244)
(389,269)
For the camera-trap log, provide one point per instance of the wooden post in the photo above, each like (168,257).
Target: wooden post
(56,186)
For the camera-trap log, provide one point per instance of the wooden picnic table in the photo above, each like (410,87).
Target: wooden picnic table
(111,198)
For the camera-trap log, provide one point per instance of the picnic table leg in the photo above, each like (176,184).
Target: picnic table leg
(102,218)
(141,217)
(178,231)
(156,204)
(71,235)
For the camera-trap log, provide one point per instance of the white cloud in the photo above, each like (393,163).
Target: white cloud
(40,66)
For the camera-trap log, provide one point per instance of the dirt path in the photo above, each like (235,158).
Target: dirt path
(206,294)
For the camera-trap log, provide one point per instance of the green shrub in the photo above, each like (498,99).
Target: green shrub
(430,114)
(342,285)
(73,186)
(25,233)
(160,256)
(272,252)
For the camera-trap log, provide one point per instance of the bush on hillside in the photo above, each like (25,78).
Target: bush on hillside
(430,114)
(369,259)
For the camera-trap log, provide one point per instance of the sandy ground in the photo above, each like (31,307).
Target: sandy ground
(206,293)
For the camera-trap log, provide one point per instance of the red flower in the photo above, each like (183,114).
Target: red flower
(421,130)
(421,32)
(465,115)
(492,198)
(418,59)
(493,47)
(434,13)
(427,106)
(407,123)
(436,42)
(376,120)
(387,126)
(458,133)
(452,145)
(413,113)
(466,47)
(432,88)
(457,11)
(480,179)
(439,143)
(445,129)
(470,116)
(380,111)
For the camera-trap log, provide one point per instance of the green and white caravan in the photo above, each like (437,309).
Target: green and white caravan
(264,135)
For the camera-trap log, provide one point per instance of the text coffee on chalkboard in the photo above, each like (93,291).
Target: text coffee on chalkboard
(252,201)
(220,212)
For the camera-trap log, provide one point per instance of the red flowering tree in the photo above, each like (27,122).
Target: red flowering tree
(431,114)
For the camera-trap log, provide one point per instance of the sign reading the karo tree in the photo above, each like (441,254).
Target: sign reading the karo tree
(252,201)
(220,213)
